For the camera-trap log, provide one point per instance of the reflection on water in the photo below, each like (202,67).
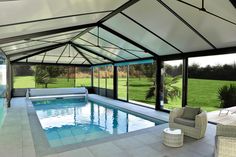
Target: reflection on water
(68,121)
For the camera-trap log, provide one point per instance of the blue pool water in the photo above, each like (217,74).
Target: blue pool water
(71,121)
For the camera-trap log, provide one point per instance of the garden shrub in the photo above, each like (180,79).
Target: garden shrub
(227,96)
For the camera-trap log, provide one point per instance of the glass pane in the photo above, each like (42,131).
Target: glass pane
(140,35)
(168,26)
(98,50)
(122,82)
(54,37)
(142,84)
(103,75)
(83,77)
(21,12)
(23,76)
(208,76)
(78,61)
(70,52)
(36,59)
(3,80)
(54,76)
(25,44)
(40,26)
(217,31)
(65,60)
(93,57)
(114,39)
(110,77)
(42,45)
(172,83)
(107,46)
(222,8)
(50,59)
(96,77)
(56,52)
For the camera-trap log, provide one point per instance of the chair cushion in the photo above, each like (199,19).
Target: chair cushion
(190,113)
(185,122)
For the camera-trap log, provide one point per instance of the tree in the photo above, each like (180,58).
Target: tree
(47,74)
(171,90)
(42,77)
(23,70)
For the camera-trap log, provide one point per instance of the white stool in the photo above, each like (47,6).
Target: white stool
(173,137)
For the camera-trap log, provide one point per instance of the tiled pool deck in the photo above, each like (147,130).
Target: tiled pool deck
(16,139)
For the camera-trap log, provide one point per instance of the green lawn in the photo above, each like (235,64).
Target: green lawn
(204,93)
(29,82)
(201,92)
(24,82)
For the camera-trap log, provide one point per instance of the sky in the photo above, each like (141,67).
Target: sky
(209,60)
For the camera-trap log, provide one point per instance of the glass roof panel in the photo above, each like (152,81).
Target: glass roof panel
(70,52)
(114,39)
(28,48)
(197,3)
(50,59)
(223,34)
(40,26)
(86,62)
(65,60)
(140,35)
(16,57)
(222,8)
(161,21)
(60,36)
(23,61)
(97,50)
(36,59)
(22,45)
(105,53)
(93,56)
(54,37)
(107,45)
(78,61)
(19,11)
(56,52)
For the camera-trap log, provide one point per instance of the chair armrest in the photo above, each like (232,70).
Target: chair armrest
(226,130)
(177,112)
(201,120)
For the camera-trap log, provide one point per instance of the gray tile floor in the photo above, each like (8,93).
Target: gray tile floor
(16,141)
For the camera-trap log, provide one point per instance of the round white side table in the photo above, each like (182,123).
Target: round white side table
(173,137)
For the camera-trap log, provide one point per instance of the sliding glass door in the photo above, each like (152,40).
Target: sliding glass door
(122,82)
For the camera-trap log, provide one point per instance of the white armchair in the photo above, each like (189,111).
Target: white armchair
(225,141)
(193,128)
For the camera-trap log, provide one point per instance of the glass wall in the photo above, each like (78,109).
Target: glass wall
(122,82)
(110,71)
(212,82)
(95,77)
(103,76)
(47,76)
(172,84)
(2,88)
(50,76)
(103,80)
(83,77)
(142,84)
(23,76)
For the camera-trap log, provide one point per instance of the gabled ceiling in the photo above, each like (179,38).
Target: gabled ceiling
(95,32)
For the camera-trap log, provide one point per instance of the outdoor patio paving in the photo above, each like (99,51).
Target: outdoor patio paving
(16,141)
(223,118)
